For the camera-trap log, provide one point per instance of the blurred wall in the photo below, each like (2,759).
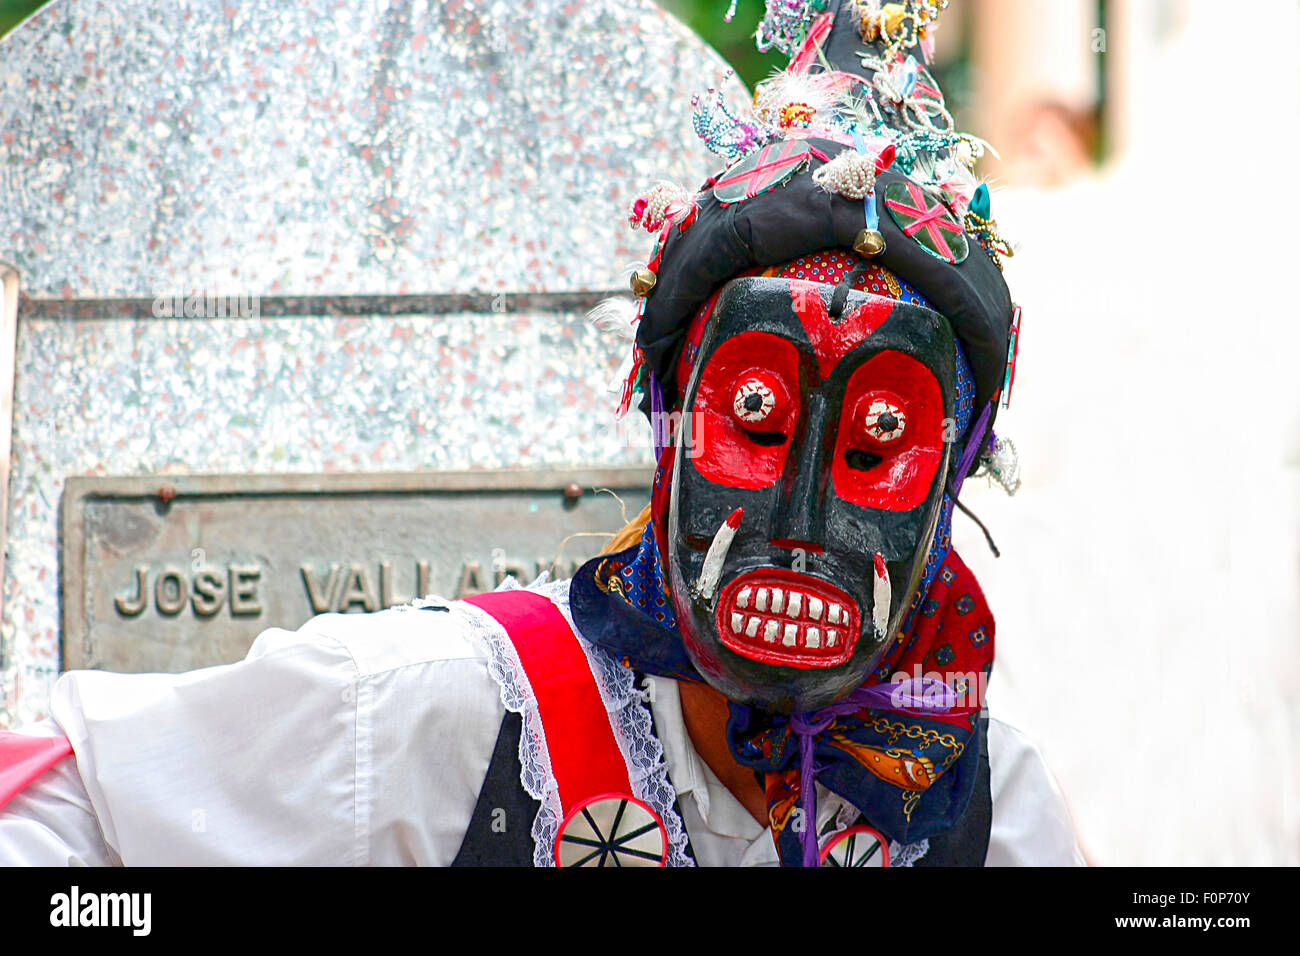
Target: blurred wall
(1146,597)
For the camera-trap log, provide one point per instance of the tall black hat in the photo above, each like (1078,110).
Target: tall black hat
(850,147)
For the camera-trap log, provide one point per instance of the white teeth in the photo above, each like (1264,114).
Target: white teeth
(792,605)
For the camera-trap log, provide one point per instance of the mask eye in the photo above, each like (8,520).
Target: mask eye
(754,401)
(891,436)
(744,410)
(883,421)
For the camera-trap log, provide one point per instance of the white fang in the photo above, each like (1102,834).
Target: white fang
(880,597)
(717,556)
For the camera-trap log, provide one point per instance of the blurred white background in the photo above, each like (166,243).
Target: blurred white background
(1147,594)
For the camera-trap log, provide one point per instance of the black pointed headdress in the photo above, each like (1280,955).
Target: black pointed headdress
(850,147)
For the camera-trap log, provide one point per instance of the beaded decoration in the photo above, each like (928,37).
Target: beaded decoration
(851,174)
(663,204)
(723,132)
(900,104)
(900,25)
(980,224)
(784,24)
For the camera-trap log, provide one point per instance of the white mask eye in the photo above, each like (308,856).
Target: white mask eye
(754,401)
(884,421)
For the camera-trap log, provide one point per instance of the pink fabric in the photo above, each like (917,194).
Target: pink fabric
(24,758)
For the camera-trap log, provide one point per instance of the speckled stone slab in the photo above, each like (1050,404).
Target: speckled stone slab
(419,200)
(339,146)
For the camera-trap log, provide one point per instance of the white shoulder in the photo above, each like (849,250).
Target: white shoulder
(395,638)
(429,712)
(1031,825)
(355,739)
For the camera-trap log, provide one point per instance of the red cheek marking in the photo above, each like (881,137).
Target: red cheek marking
(895,473)
(731,451)
(834,340)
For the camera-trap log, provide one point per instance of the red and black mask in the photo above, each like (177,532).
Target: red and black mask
(833,433)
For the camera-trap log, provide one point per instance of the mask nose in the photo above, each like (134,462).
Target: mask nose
(801,516)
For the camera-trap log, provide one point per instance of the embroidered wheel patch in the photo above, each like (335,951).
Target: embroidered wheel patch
(857,846)
(612,830)
(921,215)
(761,171)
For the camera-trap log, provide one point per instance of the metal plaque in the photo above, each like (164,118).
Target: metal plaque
(169,573)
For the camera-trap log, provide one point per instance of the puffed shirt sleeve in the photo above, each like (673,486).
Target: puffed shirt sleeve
(357,739)
(1031,825)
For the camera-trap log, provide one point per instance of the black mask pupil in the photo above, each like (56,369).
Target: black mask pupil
(887,421)
(753,402)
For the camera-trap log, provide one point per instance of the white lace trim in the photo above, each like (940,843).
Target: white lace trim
(646,769)
(517,696)
(906,854)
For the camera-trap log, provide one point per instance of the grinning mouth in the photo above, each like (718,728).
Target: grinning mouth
(782,617)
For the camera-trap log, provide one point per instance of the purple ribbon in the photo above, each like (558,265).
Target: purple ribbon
(973,446)
(658,424)
(913,695)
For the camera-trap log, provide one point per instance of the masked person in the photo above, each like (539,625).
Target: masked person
(781,661)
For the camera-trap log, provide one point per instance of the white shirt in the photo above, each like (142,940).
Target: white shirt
(363,739)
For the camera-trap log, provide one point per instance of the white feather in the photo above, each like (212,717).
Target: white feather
(782,88)
(616,315)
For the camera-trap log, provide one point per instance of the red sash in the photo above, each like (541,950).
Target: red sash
(585,757)
(602,822)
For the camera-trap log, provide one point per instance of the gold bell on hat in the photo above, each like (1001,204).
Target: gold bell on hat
(868,242)
(643,280)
